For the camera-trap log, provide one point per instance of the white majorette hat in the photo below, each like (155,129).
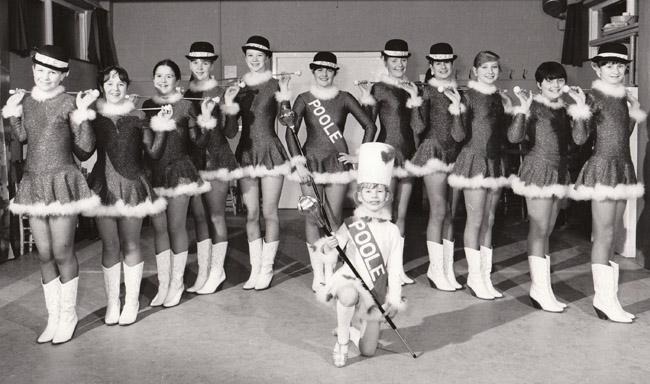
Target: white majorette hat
(51,56)
(201,50)
(259,43)
(376,162)
(396,48)
(324,60)
(441,52)
(612,52)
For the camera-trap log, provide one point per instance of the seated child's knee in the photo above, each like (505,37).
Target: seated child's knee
(347,296)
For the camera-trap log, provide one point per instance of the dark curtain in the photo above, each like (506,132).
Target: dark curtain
(101,47)
(18,40)
(575,49)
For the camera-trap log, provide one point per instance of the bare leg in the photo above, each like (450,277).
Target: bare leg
(403,194)
(475,201)
(539,213)
(41,232)
(492,201)
(62,229)
(176,220)
(129,230)
(452,202)
(370,339)
(335,194)
(198,209)
(251,198)
(604,215)
(107,228)
(215,200)
(271,189)
(436,188)
(161,235)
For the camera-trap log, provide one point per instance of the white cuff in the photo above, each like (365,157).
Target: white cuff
(413,102)
(12,111)
(368,100)
(638,115)
(520,109)
(78,116)
(456,109)
(579,111)
(230,109)
(298,160)
(162,124)
(207,122)
(281,96)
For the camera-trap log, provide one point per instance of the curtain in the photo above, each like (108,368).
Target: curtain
(101,47)
(18,40)
(575,49)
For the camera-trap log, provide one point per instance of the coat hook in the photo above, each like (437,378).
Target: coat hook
(511,73)
(523,74)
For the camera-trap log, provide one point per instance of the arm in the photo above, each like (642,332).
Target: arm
(461,130)
(230,109)
(581,116)
(82,133)
(153,142)
(637,115)
(520,121)
(13,111)
(369,103)
(368,125)
(194,130)
(299,110)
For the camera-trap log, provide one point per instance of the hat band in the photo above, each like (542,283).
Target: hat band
(612,54)
(442,56)
(326,64)
(256,46)
(396,53)
(50,61)
(201,54)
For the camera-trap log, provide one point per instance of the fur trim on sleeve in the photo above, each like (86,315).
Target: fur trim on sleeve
(78,116)
(281,96)
(161,124)
(207,122)
(413,102)
(230,109)
(520,109)
(298,160)
(638,115)
(12,111)
(579,111)
(456,109)
(368,100)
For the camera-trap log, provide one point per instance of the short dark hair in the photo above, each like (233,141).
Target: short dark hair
(168,63)
(602,62)
(550,70)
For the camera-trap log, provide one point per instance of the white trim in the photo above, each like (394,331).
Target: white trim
(206,85)
(382,214)
(400,173)
(603,192)
(169,99)
(207,122)
(432,166)
(413,102)
(200,55)
(223,174)
(256,78)
(486,89)
(557,104)
(281,96)
(12,111)
(325,64)
(535,191)
(190,189)
(78,116)
(438,84)
(120,209)
(344,177)
(368,99)
(40,95)
(638,115)
(256,171)
(324,93)
(56,208)
(257,46)
(230,109)
(295,160)
(478,181)
(162,124)
(579,111)
(108,109)
(613,90)
(396,53)
(456,109)
(62,65)
(611,54)
(441,57)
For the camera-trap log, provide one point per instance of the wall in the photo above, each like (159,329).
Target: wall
(643,51)
(518,30)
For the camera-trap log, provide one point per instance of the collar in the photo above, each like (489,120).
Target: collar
(551,104)
(381,215)
(121,109)
(324,93)
(388,79)
(171,99)
(613,90)
(256,78)
(435,83)
(203,86)
(486,89)
(40,95)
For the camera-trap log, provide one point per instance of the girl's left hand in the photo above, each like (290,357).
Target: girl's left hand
(207,106)
(283,81)
(525,97)
(411,88)
(166,111)
(634,102)
(346,158)
(452,94)
(86,98)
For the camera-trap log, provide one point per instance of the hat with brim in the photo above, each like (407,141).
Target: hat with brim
(202,50)
(324,60)
(396,48)
(441,52)
(259,43)
(615,52)
(51,56)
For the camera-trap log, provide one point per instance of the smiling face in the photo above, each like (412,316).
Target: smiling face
(373,196)
(552,89)
(257,61)
(47,79)
(441,70)
(396,66)
(114,88)
(324,77)
(611,72)
(487,72)
(164,80)
(201,68)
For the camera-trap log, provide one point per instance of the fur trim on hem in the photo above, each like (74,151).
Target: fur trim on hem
(40,95)
(56,208)
(230,109)
(457,109)
(255,171)
(190,189)
(401,173)
(604,192)
(223,174)
(207,122)
(579,111)
(281,96)
(535,191)
(78,116)
(119,209)
(345,177)
(478,181)
(612,90)
(638,115)
(12,111)
(413,102)
(486,89)
(432,166)
(324,93)
(368,100)
(520,109)
(162,124)
(295,160)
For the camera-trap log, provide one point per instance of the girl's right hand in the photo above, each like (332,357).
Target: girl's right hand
(576,93)
(525,97)
(331,242)
(166,111)
(16,98)
(303,173)
(207,106)
(230,94)
(452,94)
(365,88)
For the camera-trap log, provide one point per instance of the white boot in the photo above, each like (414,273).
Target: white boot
(132,280)
(486,269)
(475,281)
(112,286)
(448,263)
(550,289)
(163,265)
(52,293)
(316,260)
(540,287)
(217,273)
(605,300)
(269,250)
(255,256)
(68,313)
(176,286)
(203,261)
(405,279)
(436,273)
(616,271)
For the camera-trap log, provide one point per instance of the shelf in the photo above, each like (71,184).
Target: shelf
(617,35)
